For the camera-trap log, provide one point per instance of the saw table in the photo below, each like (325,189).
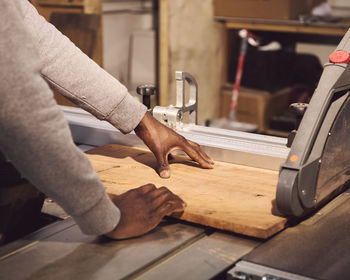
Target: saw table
(288,219)
(319,247)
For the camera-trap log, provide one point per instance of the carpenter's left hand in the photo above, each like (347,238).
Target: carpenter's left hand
(162,140)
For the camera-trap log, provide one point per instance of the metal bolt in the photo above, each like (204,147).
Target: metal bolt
(303,192)
(146,91)
(329,134)
(179,116)
(320,161)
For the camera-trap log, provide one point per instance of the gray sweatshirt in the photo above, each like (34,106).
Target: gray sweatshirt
(34,135)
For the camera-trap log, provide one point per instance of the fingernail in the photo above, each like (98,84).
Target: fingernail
(164,174)
(210,166)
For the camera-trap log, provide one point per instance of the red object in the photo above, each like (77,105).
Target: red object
(339,57)
(239,73)
(237,83)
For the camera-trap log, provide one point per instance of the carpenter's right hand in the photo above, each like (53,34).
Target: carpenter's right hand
(162,140)
(142,209)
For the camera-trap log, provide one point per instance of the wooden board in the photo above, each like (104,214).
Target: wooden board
(229,197)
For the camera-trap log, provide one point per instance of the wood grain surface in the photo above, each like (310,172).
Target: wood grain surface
(229,197)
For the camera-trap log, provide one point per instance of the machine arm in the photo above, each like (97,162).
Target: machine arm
(318,163)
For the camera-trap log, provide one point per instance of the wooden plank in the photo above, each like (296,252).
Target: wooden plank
(229,197)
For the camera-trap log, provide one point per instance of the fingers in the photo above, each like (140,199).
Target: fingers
(201,152)
(142,209)
(192,149)
(164,196)
(168,208)
(194,152)
(163,168)
(159,191)
(147,188)
(140,191)
(164,202)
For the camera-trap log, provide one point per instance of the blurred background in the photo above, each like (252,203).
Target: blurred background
(146,41)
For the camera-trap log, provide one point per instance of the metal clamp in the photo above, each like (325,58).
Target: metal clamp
(173,116)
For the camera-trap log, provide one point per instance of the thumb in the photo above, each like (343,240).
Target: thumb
(163,168)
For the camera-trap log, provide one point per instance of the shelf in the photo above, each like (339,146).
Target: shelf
(289,26)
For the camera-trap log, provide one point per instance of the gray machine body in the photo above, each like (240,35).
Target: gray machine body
(317,166)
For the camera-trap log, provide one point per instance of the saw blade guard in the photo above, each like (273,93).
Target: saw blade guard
(318,165)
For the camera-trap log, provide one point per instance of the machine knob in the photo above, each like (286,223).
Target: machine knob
(146,91)
(340,57)
(299,110)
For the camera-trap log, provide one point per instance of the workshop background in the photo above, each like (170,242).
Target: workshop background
(146,41)
(273,207)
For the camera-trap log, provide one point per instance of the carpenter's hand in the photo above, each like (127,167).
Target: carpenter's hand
(162,140)
(142,209)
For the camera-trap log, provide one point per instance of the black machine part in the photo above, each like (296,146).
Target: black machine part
(298,109)
(20,203)
(146,91)
(317,166)
(317,248)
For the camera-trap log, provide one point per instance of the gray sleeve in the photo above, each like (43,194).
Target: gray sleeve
(35,136)
(69,71)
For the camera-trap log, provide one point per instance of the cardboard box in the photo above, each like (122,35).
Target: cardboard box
(255,106)
(265,9)
(339,3)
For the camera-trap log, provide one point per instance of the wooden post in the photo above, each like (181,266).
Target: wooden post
(163,53)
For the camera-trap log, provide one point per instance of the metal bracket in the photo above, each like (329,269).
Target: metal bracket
(173,116)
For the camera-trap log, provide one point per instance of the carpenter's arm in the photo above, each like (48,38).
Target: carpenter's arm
(80,79)
(35,136)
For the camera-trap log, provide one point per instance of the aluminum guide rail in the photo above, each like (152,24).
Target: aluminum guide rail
(254,150)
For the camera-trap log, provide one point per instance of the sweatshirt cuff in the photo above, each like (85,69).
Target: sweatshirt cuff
(100,219)
(128,114)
